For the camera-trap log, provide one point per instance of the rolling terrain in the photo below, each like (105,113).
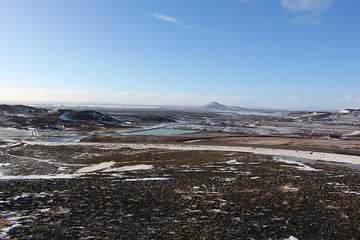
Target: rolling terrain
(105,174)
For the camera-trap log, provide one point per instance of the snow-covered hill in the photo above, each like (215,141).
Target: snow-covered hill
(214,106)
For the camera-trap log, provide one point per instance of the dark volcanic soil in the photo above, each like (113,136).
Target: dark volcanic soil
(295,143)
(208,195)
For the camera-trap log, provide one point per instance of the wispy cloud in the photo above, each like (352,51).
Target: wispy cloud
(308,11)
(291,98)
(253,3)
(169,19)
(349,99)
(166,18)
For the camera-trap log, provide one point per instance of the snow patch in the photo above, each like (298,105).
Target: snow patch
(44,210)
(344,111)
(36,177)
(130,168)
(148,179)
(254,178)
(291,238)
(229,179)
(62,168)
(191,170)
(300,166)
(96,167)
(355,133)
(193,141)
(218,211)
(23,195)
(12,220)
(235,162)
(4,231)
(352,192)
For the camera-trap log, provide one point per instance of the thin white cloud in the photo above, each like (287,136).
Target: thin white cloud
(290,98)
(306,5)
(308,11)
(349,99)
(165,18)
(169,19)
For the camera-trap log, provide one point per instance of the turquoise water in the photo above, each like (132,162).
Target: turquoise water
(160,131)
(64,139)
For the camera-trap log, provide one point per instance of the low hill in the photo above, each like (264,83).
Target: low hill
(214,106)
(20,109)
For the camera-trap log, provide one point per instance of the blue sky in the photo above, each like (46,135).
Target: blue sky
(267,53)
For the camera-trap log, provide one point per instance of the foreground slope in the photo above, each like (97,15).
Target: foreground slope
(111,191)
